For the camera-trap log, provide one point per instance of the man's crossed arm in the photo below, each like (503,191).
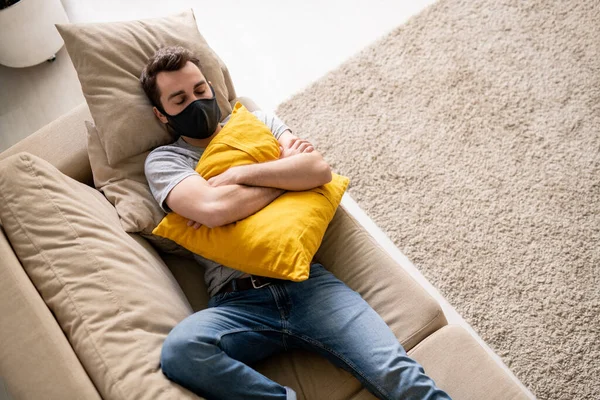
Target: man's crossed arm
(299,168)
(241,191)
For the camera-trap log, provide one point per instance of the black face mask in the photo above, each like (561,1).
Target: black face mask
(198,120)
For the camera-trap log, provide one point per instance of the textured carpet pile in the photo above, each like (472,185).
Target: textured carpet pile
(471,135)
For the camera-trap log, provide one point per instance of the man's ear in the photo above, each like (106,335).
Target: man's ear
(160,115)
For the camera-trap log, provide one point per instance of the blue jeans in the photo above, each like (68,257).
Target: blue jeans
(210,351)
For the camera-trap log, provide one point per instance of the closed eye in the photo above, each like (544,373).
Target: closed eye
(184,98)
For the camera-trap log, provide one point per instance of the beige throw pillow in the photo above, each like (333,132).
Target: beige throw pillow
(124,184)
(109,58)
(115,300)
(126,187)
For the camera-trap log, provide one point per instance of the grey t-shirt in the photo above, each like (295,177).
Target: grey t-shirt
(168,165)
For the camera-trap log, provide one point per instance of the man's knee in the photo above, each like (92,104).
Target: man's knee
(168,355)
(179,351)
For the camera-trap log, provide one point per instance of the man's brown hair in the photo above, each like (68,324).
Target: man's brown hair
(170,58)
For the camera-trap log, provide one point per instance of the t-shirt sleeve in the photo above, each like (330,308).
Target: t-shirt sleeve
(276,125)
(164,170)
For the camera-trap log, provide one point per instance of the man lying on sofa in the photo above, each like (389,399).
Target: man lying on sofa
(250,318)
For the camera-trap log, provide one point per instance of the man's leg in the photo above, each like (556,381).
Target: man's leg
(330,318)
(208,352)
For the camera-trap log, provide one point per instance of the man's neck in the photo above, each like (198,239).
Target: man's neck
(201,142)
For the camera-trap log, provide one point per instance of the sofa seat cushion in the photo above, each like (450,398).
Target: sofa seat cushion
(459,365)
(352,255)
(355,257)
(451,356)
(112,295)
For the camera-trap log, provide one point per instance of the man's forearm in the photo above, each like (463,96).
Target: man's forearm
(300,172)
(235,202)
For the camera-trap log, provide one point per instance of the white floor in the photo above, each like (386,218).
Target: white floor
(273,49)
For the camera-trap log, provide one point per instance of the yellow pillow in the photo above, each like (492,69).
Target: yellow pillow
(278,241)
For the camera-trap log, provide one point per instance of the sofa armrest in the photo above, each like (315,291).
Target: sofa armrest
(36,359)
(460,366)
(63,143)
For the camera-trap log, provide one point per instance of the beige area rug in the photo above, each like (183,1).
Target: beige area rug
(471,135)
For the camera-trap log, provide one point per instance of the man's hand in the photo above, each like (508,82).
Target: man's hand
(194,224)
(295,146)
(229,177)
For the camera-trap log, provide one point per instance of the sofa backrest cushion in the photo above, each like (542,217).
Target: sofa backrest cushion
(114,298)
(109,58)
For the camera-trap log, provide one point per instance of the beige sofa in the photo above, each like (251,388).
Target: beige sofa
(37,360)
